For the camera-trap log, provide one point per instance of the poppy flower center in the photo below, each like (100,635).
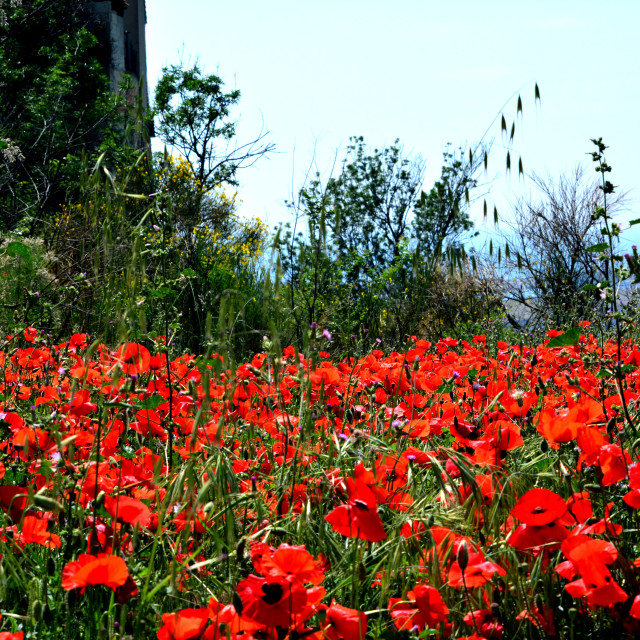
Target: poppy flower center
(361,504)
(272,592)
(538,510)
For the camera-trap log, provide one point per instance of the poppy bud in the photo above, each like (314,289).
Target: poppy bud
(462,556)
(542,385)
(100,499)
(47,503)
(237,603)
(573,612)
(544,446)
(37,611)
(611,425)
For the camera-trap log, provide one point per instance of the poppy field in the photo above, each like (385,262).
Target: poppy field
(450,490)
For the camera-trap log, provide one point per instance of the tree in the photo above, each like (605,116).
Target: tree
(441,216)
(367,206)
(373,239)
(549,240)
(55,105)
(193,117)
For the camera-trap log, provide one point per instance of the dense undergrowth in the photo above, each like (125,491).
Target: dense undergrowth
(453,489)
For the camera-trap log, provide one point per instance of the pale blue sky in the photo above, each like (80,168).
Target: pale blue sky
(428,72)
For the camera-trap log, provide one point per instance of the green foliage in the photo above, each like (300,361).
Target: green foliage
(193,115)
(55,104)
(376,245)
(201,268)
(555,243)
(441,216)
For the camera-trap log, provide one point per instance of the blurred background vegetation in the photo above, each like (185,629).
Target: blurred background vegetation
(99,235)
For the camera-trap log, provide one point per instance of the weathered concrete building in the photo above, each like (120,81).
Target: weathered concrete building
(120,27)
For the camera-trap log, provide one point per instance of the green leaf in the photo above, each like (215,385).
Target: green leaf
(161,292)
(632,222)
(537,93)
(589,287)
(189,273)
(16,248)
(151,403)
(596,248)
(567,339)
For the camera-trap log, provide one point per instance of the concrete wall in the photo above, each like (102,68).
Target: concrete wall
(120,28)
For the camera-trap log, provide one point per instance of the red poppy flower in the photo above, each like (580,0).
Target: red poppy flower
(343,623)
(477,572)
(273,601)
(423,607)
(359,518)
(149,423)
(88,571)
(34,531)
(538,507)
(133,358)
(589,558)
(128,510)
(486,622)
(548,536)
(184,624)
(287,560)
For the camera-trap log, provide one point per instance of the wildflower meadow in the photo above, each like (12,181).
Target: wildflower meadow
(384,418)
(451,489)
